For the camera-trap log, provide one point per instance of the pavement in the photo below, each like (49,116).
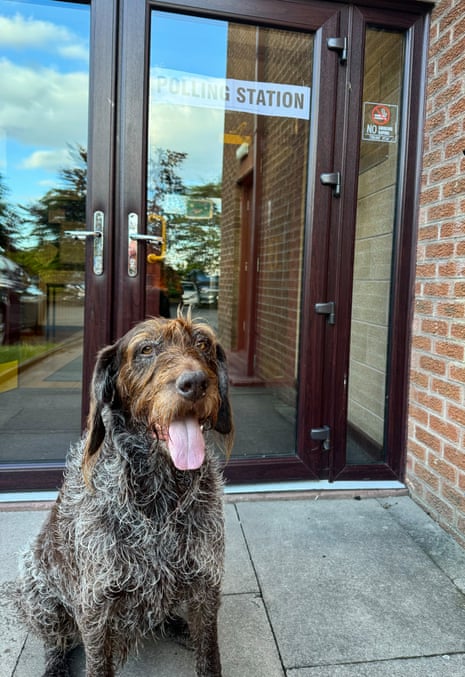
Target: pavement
(314,587)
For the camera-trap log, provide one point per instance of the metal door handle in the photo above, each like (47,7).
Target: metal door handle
(97,234)
(154,239)
(82,234)
(133,238)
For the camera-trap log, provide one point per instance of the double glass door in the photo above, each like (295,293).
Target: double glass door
(220,162)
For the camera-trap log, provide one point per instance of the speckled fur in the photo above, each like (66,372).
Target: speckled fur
(132,540)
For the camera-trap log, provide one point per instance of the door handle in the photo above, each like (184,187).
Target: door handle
(82,234)
(97,234)
(133,238)
(154,239)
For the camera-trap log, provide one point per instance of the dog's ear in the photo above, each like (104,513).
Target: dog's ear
(224,422)
(102,392)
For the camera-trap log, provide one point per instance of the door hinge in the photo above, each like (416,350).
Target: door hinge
(328,309)
(322,434)
(332,179)
(338,45)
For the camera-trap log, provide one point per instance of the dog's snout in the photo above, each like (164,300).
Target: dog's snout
(192,385)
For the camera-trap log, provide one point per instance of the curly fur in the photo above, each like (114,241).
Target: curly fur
(131,538)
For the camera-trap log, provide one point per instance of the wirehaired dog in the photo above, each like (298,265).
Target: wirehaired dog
(137,530)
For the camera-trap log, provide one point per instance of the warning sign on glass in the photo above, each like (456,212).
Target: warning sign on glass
(380,122)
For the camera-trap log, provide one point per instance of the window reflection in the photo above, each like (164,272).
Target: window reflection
(227,170)
(374,239)
(44,58)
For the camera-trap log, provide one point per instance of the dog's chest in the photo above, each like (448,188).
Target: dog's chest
(170,546)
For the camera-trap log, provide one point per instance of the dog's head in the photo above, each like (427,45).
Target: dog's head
(168,377)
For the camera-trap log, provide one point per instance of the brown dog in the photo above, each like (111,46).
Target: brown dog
(137,530)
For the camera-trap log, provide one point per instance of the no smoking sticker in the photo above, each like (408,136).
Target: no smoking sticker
(380,122)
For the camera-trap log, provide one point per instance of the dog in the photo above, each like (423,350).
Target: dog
(137,530)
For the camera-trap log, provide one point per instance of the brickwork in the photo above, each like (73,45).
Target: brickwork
(279,193)
(287,59)
(241,64)
(436,442)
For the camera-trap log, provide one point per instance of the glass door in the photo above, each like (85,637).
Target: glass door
(223,150)
(44,50)
(228,138)
(53,227)
(279,216)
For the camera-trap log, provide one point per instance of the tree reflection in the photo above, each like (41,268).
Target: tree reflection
(193,214)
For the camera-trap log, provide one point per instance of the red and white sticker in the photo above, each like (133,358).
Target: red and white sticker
(380,122)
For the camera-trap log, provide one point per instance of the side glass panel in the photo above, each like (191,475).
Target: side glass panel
(44,56)
(227,179)
(374,242)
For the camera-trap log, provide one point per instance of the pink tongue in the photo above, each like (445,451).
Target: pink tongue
(186,444)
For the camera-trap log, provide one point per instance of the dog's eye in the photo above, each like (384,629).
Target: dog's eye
(147,349)
(203,344)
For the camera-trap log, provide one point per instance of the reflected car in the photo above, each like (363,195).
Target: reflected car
(22,303)
(74,293)
(190,294)
(208,292)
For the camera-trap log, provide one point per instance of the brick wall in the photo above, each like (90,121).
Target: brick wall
(287,58)
(240,64)
(436,443)
(280,191)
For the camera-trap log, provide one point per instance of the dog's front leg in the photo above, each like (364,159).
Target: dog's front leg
(203,625)
(56,664)
(96,639)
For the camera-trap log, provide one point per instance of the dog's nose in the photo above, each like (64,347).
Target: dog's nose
(192,385)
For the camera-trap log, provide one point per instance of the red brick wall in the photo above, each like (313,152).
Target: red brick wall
(280,185)
(436,444)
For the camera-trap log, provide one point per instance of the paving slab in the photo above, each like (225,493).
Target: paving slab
(343,582)
(435,666)
(246,644)
(16,530)
(246,639)
(239,575)
(432,539)
(312,588)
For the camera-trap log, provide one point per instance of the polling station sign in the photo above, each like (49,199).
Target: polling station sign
(247,96)
(380,122)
